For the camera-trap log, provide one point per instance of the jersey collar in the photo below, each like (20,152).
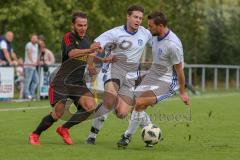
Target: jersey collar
(77,36)
(161,38)
(132,33)
(3,38)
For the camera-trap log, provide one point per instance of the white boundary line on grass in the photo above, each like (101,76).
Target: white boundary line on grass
(207,96)
(170,99)
(23,108)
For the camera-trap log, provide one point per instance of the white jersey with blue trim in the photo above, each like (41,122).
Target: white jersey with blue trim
(167,52)
(127,46)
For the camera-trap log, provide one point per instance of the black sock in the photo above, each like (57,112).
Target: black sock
(46,122)
(77,118)
(94,130)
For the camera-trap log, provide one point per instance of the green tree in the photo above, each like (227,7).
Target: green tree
(26,17)
(209,29)
(223,33)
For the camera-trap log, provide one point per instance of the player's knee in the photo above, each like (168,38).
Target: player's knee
(56,114)
(121,113)
(109,103)
(58,110)
(140,102)
(140,105)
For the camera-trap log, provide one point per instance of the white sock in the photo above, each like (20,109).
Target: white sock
(97,125)
(100,111)
(134,122)
(92,135)
(145,120)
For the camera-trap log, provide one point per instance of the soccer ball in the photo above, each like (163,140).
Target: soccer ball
(151,134)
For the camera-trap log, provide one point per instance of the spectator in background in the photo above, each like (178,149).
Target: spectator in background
(7,55)
(30,64)
(20,77)
(46,56)
(2,62)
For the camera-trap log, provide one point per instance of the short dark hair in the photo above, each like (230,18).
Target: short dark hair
(41,37)
(33,34)
(158,18)
(135,8)
(78,14)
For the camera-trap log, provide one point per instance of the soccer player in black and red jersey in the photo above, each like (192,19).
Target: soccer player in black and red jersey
(68,82)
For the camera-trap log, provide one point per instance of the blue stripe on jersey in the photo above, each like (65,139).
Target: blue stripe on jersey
(161,38)
(174,79)
(132,33)
(174,82)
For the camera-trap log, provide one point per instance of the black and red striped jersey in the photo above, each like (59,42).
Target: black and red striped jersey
(72,70)
(73,41)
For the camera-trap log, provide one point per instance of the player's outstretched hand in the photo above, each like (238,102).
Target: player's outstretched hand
(96,46)
(185,98)
(110,59)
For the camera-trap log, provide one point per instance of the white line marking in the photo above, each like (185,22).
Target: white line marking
(23,108)
(170,99)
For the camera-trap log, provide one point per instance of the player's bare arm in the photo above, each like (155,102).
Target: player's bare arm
(110,59)
(81,52)
(181,81)
(7,55)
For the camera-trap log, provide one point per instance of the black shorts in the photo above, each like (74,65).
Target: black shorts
(59,93)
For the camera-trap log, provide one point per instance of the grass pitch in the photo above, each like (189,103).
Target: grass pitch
(211,130)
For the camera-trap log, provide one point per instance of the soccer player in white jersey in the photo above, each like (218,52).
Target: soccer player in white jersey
(166,74)
(128,43)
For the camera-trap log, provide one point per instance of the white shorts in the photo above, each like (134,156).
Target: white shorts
(161,89)
(125,79)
